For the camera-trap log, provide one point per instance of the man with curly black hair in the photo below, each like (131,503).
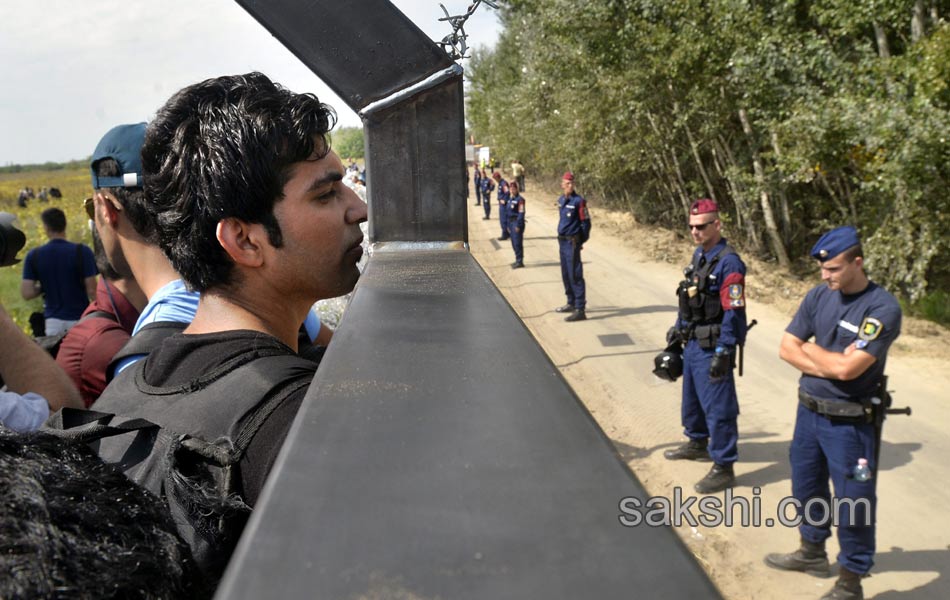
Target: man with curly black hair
(250,208)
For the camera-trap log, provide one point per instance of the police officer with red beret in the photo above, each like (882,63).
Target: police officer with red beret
(839,340)
(573,229)
(710,325)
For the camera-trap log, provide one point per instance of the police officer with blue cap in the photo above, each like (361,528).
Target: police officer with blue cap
(573,230)
(839,340)
(710,325)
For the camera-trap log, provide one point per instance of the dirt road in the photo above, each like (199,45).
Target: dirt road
(608,361)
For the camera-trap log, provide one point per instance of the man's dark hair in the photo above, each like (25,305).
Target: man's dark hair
(224,148)
(133,200)
(853,252)
(54,220)
(72,526)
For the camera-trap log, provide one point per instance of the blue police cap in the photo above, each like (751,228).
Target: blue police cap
(123,144)
(835,242)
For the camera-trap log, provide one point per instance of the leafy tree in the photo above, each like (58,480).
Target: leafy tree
(348,142)
(795,115)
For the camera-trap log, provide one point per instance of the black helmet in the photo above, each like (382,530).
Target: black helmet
(669,363)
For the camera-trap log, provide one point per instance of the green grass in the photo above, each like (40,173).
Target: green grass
(934,306)
(74,184)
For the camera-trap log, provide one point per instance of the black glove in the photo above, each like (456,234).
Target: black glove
(674,335)
(720,364)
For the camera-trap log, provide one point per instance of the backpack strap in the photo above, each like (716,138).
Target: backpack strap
(288,374)
(147,339)
(88,426)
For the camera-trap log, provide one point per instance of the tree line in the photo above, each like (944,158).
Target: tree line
(795,115)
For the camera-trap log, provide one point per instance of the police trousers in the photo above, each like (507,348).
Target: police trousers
(572,271)
(824,448)
(503,219)
(517,239)
(710,409)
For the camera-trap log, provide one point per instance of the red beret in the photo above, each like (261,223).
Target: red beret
(568,176)
(496,175)
(702,206)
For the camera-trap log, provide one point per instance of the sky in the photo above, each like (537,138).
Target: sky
(70,70)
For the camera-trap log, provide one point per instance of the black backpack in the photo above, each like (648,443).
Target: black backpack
(195,476)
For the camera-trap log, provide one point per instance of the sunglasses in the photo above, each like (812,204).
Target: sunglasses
(90,208)
(701,226)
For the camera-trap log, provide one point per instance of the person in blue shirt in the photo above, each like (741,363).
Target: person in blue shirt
(839,340)
(488,186)
(710,325)
(477,180)
(573,229)
(504,194)
(63,272)
(516,224)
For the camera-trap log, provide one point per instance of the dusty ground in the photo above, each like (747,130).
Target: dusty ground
(631,272)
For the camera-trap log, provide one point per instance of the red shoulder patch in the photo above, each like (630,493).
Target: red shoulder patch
(732,292)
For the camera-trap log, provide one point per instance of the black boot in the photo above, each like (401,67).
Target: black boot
(716,480)
(691,450)
(848,587)
(577,315)
(565,308)
(810,558)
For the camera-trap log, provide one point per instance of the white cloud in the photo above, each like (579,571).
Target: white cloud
(71,70)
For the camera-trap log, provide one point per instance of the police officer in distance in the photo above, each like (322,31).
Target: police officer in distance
(504,194)
(477,180)
(710,325)
(516,208)
(488,186)
(573,230)
(853,322)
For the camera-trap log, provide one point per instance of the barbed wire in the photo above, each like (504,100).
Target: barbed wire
(454,44)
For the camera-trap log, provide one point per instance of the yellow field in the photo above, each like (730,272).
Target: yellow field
(75,186)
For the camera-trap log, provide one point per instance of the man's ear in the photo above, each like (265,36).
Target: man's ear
(244,242)
(108,210)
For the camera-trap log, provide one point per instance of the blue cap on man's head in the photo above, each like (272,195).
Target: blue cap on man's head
(123,144)
(835,242)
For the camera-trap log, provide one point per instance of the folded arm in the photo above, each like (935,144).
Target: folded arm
(812,359)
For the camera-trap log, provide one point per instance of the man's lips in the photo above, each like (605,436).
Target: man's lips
(356,247)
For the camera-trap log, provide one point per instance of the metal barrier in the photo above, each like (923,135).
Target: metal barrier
(439,452)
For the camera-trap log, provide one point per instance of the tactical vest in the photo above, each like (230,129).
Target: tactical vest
(184,443)
(699,306)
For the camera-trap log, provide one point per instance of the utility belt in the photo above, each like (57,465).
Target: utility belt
(845,411)
(565,238)
(707,336)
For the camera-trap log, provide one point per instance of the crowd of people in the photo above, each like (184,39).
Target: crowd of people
(218,226)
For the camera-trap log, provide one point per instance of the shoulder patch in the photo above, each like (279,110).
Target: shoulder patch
(732,292)
(870,329)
